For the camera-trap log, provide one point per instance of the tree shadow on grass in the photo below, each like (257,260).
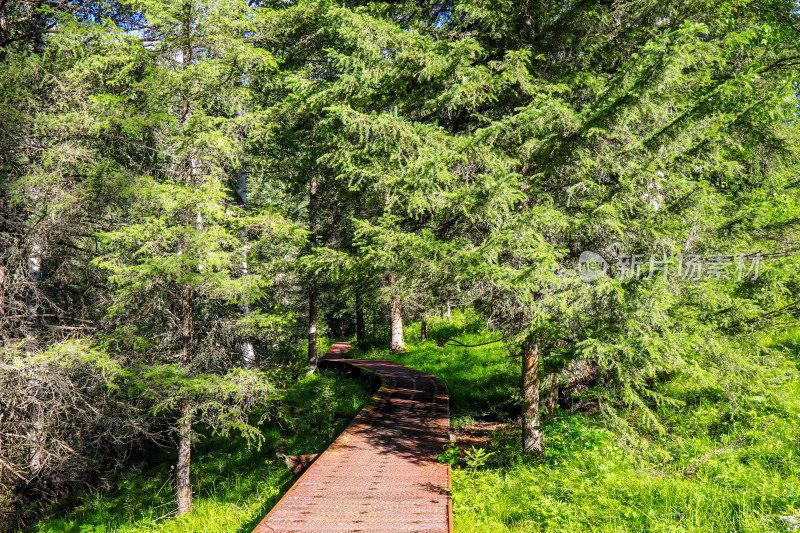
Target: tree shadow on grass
(482,381)
(224,469)
(249,526)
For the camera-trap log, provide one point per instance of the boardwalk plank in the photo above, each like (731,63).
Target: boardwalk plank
(380,475)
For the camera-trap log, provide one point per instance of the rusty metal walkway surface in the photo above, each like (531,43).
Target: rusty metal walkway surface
(380,475)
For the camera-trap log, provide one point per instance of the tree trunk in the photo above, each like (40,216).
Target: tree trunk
(248,355)
(552,394)
(183,481)
(34,277)
(423,327)
(248,352)
(312,328)
(449,313)
(396,343)
(361,331)
(37,438)
(3,28)
(187,325)
(531,433)
(2,303)
(39,27)
(188,164)
(313,304)
(37,435)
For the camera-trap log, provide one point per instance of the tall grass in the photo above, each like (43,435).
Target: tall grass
(235,486)
(719,468)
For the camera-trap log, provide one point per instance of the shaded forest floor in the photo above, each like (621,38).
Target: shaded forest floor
(234,486)
(717,467)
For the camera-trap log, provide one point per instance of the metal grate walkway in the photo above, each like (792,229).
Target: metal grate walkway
(380,475)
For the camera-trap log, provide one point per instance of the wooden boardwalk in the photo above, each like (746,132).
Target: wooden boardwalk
(380,475)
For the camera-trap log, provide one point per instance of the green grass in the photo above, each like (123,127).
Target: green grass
(482,381)
(234,486)
(591,479)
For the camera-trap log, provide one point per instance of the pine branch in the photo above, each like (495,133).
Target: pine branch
(456,342)
(739,327)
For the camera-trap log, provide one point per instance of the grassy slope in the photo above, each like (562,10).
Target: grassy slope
(589,479)
(234,486)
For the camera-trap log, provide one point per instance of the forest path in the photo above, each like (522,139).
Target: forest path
(381,473)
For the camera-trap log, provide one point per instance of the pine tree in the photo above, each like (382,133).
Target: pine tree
(522,135)
(176,263)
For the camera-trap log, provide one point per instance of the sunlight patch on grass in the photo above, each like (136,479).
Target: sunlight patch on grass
(589,479)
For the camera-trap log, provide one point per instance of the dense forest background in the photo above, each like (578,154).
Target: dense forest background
(195,196)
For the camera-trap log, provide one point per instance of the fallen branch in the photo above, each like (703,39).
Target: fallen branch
(691,469)
(456,342)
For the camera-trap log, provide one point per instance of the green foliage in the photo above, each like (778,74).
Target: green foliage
(476,457)
(709,471)
(236,484)
(470,151)
(450,455)
(499,143)
(482,381)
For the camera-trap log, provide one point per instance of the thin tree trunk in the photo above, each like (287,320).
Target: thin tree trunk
(423,327)
(183,480)
(312,328)
(34,277)
(3,28)
(248,352)
(449,313)
(187,325)
(531,433)
(396,343)
(313,304)
(188,164)
(361,332)
(552,394)
(38,439)
(248,355)
(183,483)
(2,303)
(39,27)
(37,435)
